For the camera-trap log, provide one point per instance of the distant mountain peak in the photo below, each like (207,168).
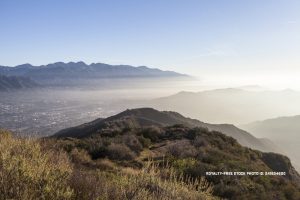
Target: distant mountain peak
(26,65)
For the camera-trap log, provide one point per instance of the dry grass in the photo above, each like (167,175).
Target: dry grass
(151,183)
(26,172)
(30,172)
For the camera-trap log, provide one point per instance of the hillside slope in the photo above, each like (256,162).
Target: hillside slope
(40,171)
(132,138)
(148,117)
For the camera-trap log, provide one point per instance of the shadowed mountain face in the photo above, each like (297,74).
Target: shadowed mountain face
(142,117)
(9,83)
(284,131)
(134,136)
(74,73)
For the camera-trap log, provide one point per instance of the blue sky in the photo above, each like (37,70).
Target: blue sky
(216,39)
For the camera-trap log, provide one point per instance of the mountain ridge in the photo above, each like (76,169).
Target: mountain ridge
(80,74)
(62,67)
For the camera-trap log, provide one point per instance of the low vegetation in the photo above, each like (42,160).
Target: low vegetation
(190,152)
(139,163)
(28,172)
(37,169)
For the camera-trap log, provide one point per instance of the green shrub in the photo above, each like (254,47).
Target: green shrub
(133,143)
(120,152)
(152,133)
(182,149)
(146,142)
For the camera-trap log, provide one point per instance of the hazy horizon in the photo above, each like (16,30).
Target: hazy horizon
(219,81)
(223,43)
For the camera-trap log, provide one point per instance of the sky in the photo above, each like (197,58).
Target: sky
(226,42)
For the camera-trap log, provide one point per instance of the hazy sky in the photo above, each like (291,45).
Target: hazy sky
(249,42)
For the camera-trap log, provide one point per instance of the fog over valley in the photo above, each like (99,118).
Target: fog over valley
(46,110)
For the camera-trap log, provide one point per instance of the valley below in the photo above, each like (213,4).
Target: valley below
(114,129)
(44,112)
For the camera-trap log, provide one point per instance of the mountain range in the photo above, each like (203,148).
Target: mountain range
(73,73)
